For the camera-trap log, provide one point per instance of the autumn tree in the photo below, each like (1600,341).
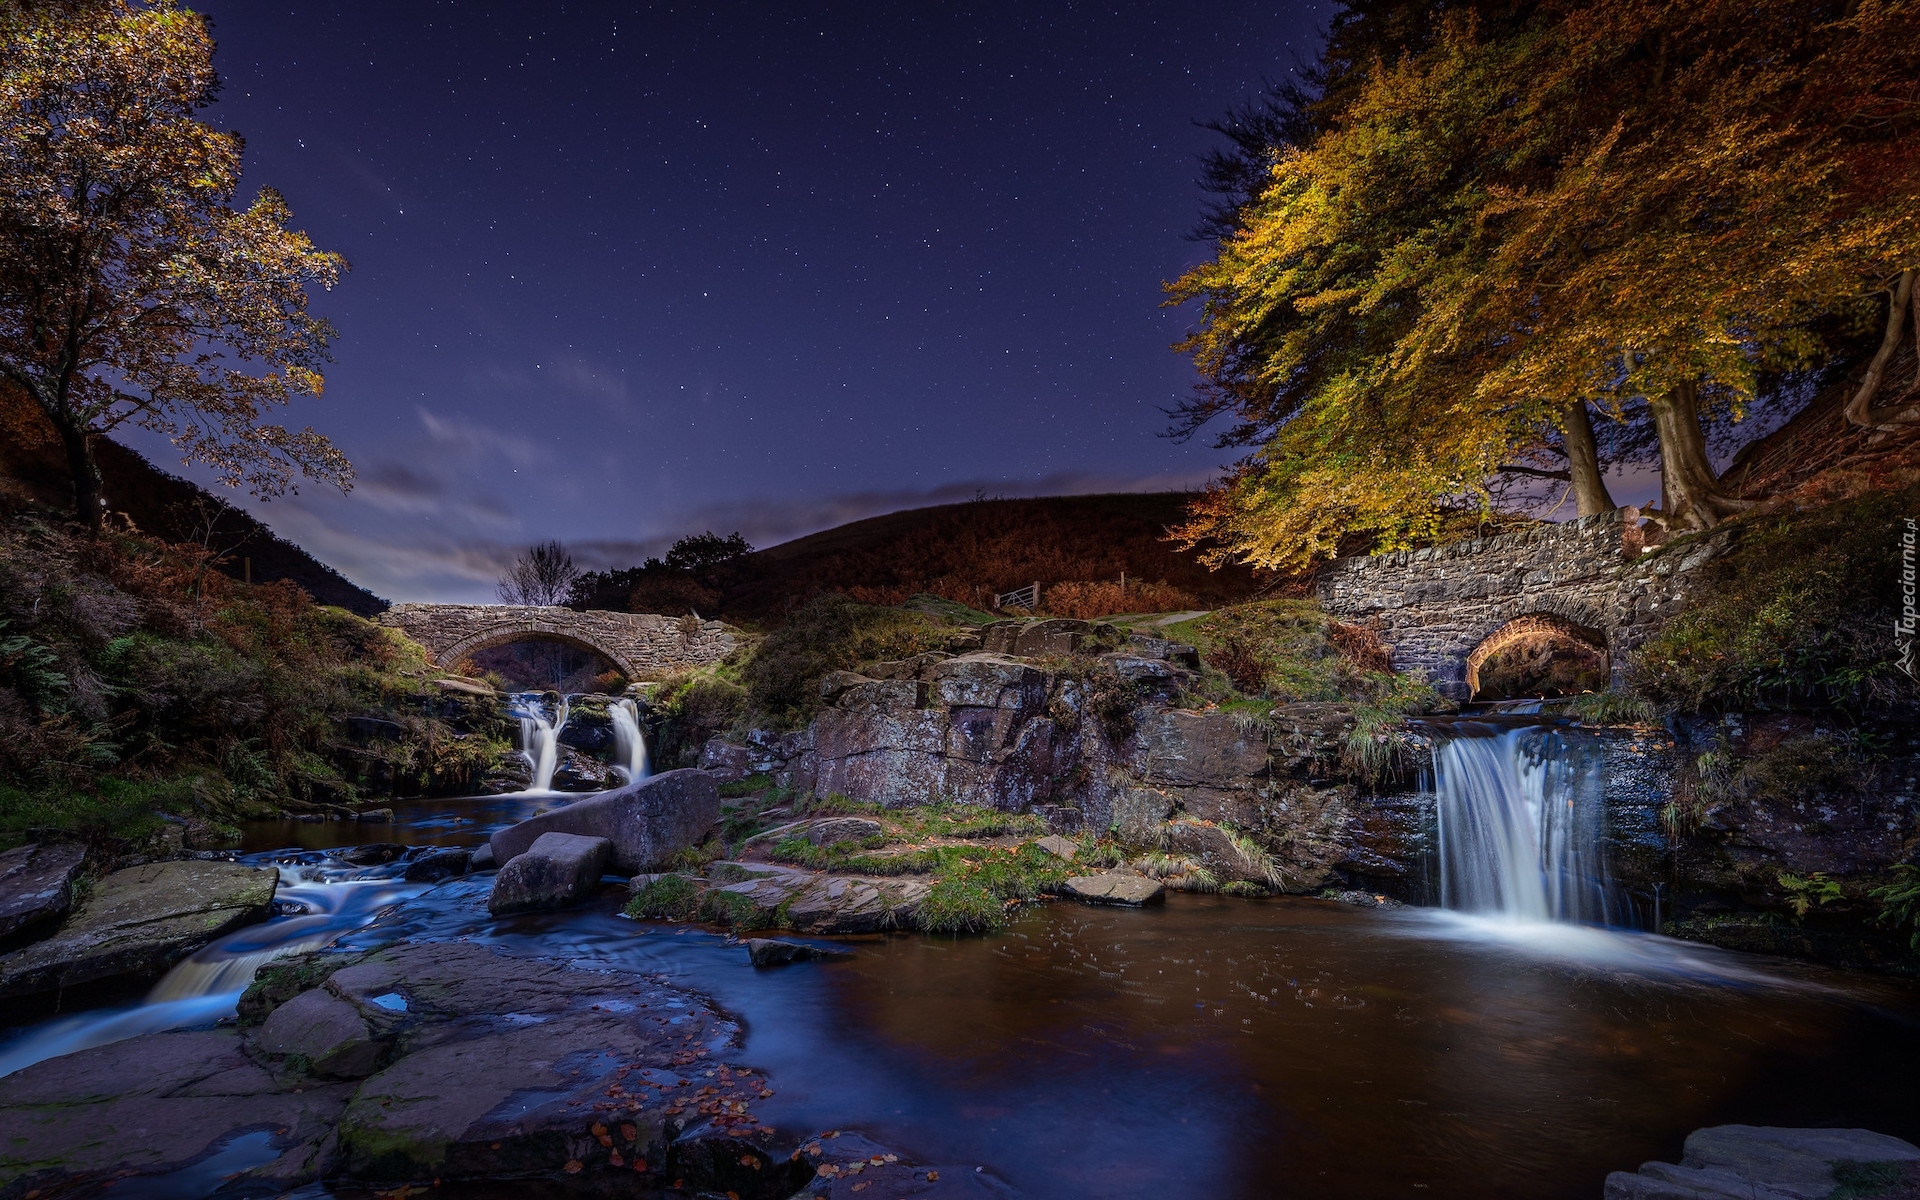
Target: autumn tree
(132,291)
(1589,210)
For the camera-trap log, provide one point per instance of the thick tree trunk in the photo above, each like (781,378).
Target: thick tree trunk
(1590,495)
(89,493)
(1690,492)
(1860,409)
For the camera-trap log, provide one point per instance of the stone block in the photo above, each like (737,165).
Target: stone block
(325,1030)
(1114,888)
(557,870)
(36,887)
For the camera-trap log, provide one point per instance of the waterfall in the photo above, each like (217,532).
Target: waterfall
(630,742)
(539,737)
(1519,810)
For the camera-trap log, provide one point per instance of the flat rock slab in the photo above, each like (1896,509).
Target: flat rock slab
(829,830)
(1116,889)
(773,952)
(559,869)
(36,886)
(850,1166)
(831,903)
(141,921)
(495,1066)
(647,822)
(1058,846)
(1752,1162)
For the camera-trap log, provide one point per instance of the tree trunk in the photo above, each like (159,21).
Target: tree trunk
(1590,495)
(89,493)
(1860,410)
(1690,492)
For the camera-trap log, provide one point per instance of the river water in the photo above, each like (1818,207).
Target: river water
(1212,1047)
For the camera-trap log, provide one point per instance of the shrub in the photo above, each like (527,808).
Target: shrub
(1794,612)
(828,633)
(1104,598)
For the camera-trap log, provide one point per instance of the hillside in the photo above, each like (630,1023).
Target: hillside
(33,472)
(962,552)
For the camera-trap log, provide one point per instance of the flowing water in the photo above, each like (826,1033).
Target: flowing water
(1519,811)
(540,735)
(1507,1045)
(629,741)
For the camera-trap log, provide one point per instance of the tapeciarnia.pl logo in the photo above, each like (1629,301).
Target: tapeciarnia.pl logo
(1903,625)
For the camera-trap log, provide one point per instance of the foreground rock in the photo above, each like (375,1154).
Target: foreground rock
(484,1066)
(814,903)
(1750,1162)
(141,921)
(1115,888)
(647,822)
(559,869)
(773,952)
(36,887)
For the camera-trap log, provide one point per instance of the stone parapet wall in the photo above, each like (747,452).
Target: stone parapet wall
(642,645)
(1433,606)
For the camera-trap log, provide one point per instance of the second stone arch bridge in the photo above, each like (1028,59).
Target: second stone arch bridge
(1445,610)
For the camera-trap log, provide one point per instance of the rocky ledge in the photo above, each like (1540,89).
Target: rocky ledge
(1750,1162)
(429,1062)
(140,921)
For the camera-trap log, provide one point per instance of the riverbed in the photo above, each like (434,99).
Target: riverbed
(1211,1047)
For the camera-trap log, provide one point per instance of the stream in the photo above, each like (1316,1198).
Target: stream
(1510,1045)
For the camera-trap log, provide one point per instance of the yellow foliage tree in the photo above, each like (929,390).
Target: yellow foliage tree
(131,291)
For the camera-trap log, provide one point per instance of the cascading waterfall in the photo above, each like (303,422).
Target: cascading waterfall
(540,737)
(629,740)
(1520,821)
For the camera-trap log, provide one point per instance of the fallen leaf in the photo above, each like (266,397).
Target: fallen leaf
(616,1160)
(629,1132)
(933,1176)
(574,1166)
(597,1129)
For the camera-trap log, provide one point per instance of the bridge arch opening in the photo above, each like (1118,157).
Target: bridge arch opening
(1538,654)
(538,660)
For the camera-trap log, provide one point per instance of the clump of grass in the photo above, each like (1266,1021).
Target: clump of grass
(1244,889)
(736,910)
(1613,708)
(666,898)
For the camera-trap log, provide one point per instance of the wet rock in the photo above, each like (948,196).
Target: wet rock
(1750,1162)
(500,1067)
(483,859)
(436,865)
(773,952)
(141,921)
(1058,846)
(817,903)
(647,822)
(324,1030)
(36,887)
(580,772)
(1115,888)
(156,1102)
(372,854)
(829,830)
(379,816)
(557,870)
(850,1166)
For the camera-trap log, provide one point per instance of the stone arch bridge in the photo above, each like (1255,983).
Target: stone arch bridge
(641,645)
(1442,609)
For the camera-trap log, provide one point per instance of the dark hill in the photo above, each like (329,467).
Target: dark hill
(963,552)
(33,472)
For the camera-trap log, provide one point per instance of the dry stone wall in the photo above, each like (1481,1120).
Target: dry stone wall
(1432,607)
(642,645)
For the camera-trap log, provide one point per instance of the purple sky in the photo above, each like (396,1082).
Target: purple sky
(621,275)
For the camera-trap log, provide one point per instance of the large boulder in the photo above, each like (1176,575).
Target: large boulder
(647,822)
(36,887)
(557,870)
(141,921)
(1751,1162)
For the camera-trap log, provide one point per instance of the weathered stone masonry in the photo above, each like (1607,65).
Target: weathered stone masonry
(642,645)
(1434,606)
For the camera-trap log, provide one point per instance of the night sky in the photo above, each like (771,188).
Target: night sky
(623,274)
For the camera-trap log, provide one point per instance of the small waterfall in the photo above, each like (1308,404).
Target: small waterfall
(629,741)
(540,737)
(1519,810)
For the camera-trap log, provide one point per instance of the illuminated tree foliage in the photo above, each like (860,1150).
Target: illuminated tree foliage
(1502,230)
(131,291)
